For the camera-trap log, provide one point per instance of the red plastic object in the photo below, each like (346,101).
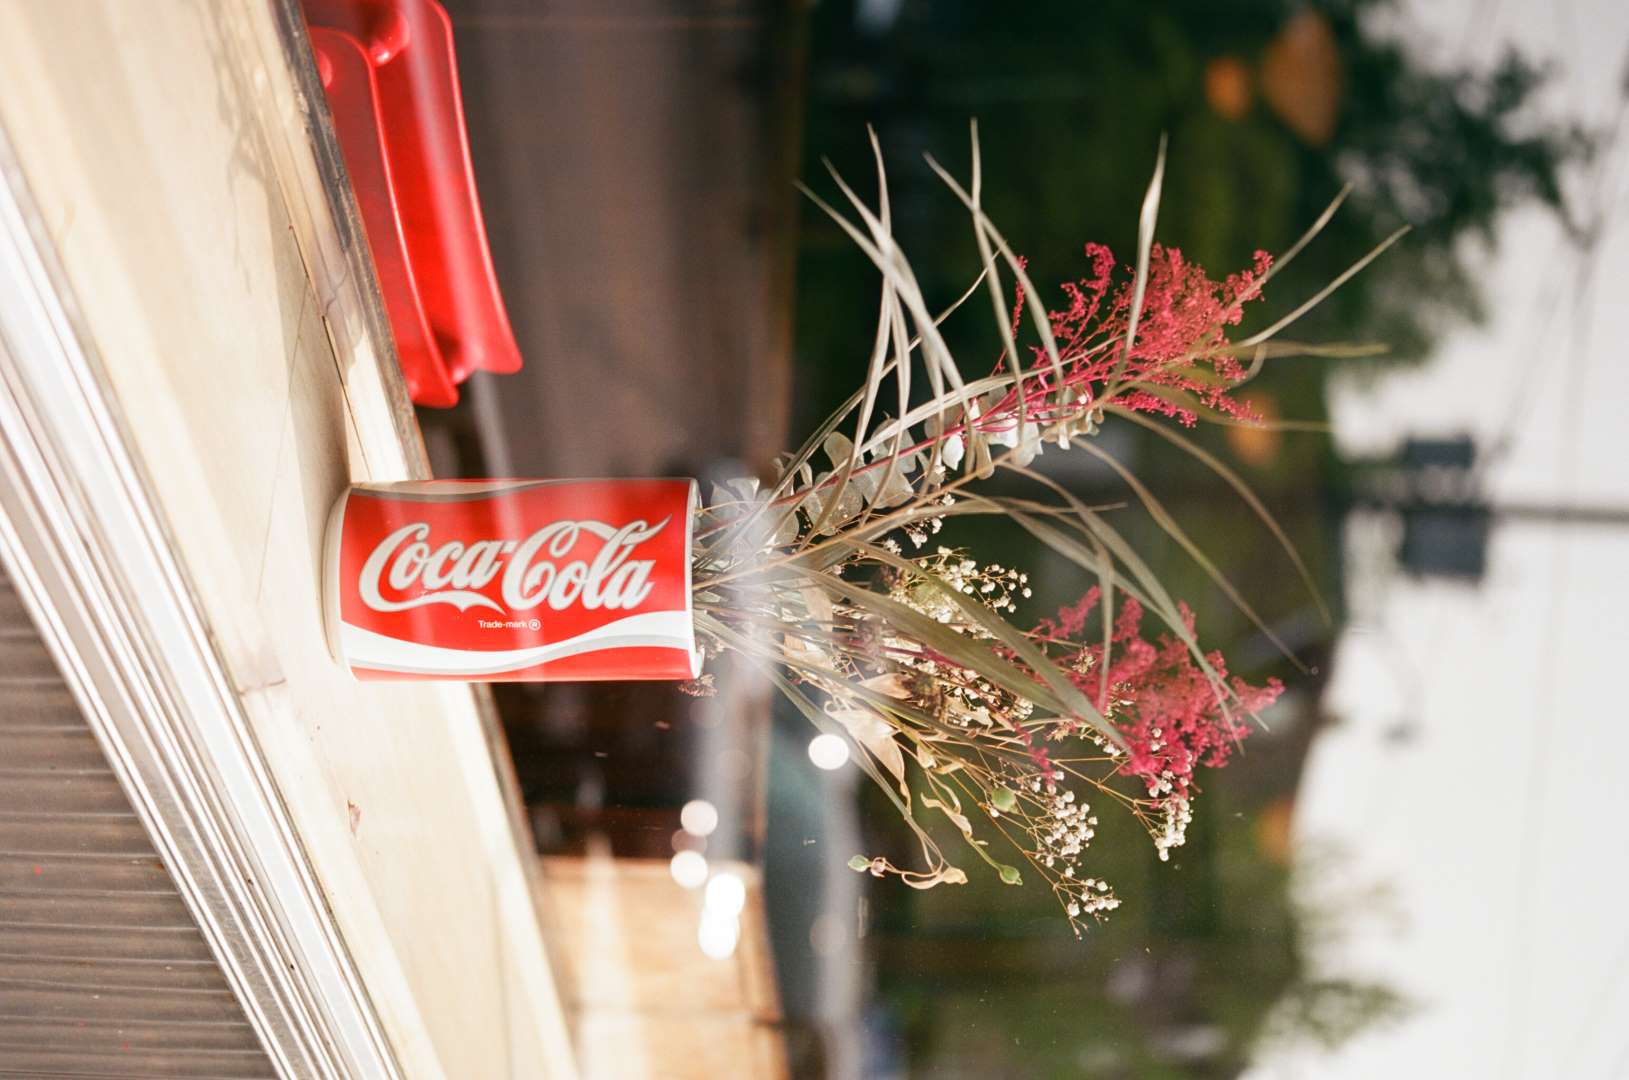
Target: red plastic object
(513,580)
(391,78)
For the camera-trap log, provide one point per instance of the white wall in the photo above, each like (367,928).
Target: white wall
(164,143)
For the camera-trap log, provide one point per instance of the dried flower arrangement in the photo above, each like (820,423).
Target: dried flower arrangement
(833,582)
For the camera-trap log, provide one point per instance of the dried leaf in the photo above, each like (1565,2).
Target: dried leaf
(838,447)
(951,810)
(876,735)
(891,684)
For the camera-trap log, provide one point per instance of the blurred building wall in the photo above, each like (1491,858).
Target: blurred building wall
(635,164)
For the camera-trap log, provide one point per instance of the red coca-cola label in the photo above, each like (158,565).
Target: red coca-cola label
(513,580)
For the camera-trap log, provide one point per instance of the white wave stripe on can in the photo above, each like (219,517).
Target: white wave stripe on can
(662,629)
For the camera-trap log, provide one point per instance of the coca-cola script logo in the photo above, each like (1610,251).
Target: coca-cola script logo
(513,579)
(535,570)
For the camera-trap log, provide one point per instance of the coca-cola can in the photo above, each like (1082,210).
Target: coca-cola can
(513,580)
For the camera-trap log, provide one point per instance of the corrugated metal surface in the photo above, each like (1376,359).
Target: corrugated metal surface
(103,972)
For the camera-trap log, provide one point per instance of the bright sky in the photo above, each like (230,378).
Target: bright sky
(1464,826)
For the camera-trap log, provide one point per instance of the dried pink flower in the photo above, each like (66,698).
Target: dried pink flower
(1167,707)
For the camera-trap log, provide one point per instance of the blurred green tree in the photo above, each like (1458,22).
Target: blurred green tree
(1271,106)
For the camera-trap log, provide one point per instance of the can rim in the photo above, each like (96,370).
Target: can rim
(692,504)
(330,577)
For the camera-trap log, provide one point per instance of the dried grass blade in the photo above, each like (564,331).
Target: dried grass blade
(1245,493)
(998,301)
(893,263)
(1182,399)
(1043,322)
(1323,293)
(1162,517)
(1145,248)
(1155,597)
(1281,261)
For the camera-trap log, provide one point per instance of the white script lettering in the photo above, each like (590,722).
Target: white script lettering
(537,571)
